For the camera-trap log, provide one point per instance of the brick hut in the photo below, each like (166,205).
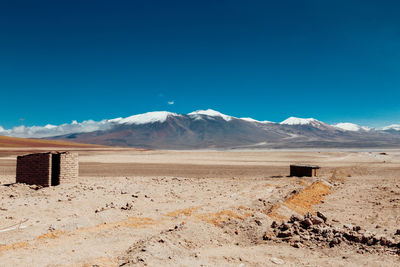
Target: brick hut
(301,170)
(47,169)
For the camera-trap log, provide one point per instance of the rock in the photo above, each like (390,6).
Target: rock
(397,232)
(316,230)
(367,239)
(277,261)
(306,223)
(389,242)
(283,227)
(128,206)
(370,241)
(268,236)
(348,226)
(258,222)
(274,224)
(327,233)
(298,245)
(383,241)
(322,216)
(354,237)
(295,238)
(35,187)
(295,218)
(285,234)
(316,220)
(362,231)
(356,228)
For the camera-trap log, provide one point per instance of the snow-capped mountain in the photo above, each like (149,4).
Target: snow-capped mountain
(199,114)
(310,122)
(212,129)
(149,117)
(299,121)
(393,127)
(347,126)
(253,120)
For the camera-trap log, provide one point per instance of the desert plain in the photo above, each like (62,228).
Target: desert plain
(134,207)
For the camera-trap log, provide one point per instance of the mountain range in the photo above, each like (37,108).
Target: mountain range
(212,129)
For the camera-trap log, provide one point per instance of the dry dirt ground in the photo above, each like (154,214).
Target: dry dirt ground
(203,208)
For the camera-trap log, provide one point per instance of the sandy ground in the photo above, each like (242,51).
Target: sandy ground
(197,208)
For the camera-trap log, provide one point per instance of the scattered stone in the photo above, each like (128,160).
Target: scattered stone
(306,223)
(283,227)
(128,206)
(295,218)
(316,221)
(298,245)
(322,216)
(313,232)
(397,232)
(35,187)
(268,236)
(348,226)
(277,261)
(284,234)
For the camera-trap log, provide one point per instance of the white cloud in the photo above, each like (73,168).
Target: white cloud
(85,126)
(53,130)
(171,102)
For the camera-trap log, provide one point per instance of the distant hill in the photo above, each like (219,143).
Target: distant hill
(10,142)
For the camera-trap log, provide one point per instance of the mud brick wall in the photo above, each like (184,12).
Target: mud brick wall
(47,169)
(69,167)
(34,169)
(300,171)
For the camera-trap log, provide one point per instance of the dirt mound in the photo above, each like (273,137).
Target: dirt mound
(314,231)
(300,202)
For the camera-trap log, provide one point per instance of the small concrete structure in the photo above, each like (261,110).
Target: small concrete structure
(47,169)
(301,170)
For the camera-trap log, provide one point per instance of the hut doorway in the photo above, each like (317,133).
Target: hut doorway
(55,169)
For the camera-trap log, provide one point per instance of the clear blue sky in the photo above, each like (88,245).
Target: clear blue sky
(75,60)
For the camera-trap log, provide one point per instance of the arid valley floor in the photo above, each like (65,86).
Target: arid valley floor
(205,208)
